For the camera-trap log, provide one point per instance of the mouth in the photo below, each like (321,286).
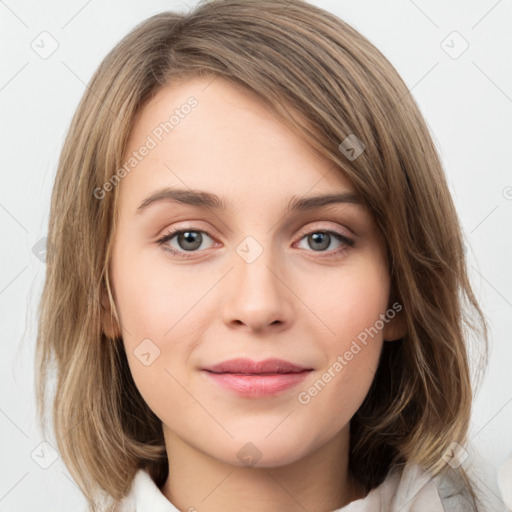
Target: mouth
(254,379)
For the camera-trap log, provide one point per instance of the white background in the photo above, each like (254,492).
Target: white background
(467,102)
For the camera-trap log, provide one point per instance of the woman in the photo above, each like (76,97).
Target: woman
(259,367)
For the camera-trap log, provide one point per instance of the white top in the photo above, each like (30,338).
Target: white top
(409,489)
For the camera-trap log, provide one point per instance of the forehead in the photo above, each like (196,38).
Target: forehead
(212,134)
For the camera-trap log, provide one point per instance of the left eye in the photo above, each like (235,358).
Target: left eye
(189,240)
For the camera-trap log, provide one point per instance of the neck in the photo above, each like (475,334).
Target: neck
(319,482)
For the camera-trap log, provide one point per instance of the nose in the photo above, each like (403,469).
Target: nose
(257,296)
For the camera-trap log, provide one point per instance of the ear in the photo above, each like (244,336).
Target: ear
(396,327)
(109,324)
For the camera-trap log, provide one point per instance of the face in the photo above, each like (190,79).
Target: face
(198,283)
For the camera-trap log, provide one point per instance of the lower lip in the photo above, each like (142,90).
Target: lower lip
(258,385)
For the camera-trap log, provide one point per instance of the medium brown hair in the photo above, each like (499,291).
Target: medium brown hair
(308,65)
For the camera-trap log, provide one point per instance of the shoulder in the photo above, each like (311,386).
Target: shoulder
(410,488)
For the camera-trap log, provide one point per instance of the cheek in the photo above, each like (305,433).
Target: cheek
(350,308)
(155,299)
(350,300)
(159,312)
(341,385)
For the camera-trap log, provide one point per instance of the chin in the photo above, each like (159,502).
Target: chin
(258,451)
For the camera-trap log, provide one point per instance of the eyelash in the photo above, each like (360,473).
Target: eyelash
(348,243)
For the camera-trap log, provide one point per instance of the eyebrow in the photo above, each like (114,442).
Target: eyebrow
(204,199)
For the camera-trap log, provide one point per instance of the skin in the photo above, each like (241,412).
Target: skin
(293,302)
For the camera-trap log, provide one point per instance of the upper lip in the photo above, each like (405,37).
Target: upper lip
(248,366)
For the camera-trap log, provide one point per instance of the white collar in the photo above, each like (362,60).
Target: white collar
(409,489)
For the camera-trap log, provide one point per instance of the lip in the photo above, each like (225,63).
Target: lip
(248,366)
(255,379)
